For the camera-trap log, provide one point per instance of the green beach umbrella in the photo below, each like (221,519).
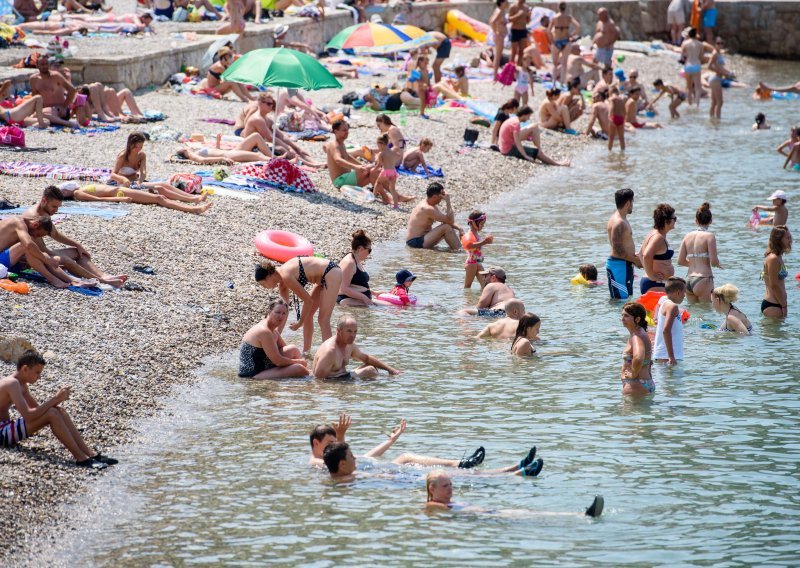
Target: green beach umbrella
(280,67)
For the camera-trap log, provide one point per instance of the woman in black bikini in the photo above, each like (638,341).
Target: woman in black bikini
(354,290)
(774,274)
(655,252)
(214,78)
(294,276)
(264,354)
(722,298)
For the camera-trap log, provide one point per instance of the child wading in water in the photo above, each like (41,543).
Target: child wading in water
(387,180)
(676,97)
(472,243)
(616,110)
(669,324)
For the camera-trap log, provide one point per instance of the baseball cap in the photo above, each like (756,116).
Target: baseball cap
(780,194)
(404,276)
(496,271)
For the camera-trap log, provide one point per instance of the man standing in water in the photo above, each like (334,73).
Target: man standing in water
(619,266)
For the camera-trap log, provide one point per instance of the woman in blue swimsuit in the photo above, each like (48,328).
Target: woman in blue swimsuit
(655,252)
(294,276)
(774,274)
(638,355)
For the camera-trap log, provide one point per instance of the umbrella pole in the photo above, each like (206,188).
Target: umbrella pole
(275,123)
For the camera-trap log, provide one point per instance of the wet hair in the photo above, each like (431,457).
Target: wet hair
(703,215)
(29,359)
(52,193)
(319,433)
(658,83)
(525,110)
(275,303)
(264,270)
(476,217)
(622,196)
(434,188)
(525,323)
(575,83)
(775,245)
(515,305)
(435,475)
(337,124)
(661,215)
(636,310)
(635,90)
(562,6)
(555,91)
(588,271)
(727,292)
(760,118)
(133,139)
(600,96)
(510,104)
(360,239)
(383,139)
(384,119)
(674,284)
(426,142)
(692,33)
(459,71)
(334,454)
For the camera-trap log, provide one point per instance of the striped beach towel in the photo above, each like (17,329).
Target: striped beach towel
(53,171)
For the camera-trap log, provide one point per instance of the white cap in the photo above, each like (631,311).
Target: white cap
(780,194)
(69,185)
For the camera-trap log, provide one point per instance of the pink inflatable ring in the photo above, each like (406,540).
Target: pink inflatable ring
(282,246)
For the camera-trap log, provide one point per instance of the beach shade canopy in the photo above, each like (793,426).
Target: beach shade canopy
(211,53)
(411,31)
(280,67)
(424,40)
(367,35)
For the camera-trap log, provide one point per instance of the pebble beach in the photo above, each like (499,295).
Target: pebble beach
(124,352)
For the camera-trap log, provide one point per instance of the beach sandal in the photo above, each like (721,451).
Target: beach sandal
(474,460)
(144,269)
(534,468)
(596,508)
(105,459)
(528,460)
(86,291)
(91,463)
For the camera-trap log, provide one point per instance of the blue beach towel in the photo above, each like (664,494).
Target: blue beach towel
(92,211)
(89,130)
(420,172)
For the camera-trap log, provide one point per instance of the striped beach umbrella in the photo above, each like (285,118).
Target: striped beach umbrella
(367,35)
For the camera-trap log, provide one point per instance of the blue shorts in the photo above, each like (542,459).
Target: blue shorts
(491,313)
(646,284)
(238,131)
(620,278)
(5,260)
(416,242)
(561,43)
(710,18)
(604,55)
(443,51)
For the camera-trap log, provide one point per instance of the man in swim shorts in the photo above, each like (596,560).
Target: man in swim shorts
(420,232)
(443,48)
(606,34)
(519,16)
(343,168)
(505,327)
(34,416)
(57,92)
(494,295)
(332,357)
(619,266)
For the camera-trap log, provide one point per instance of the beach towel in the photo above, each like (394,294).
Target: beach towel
(279,173)
(98,210)
(53,171)
(218,121)
(420,171)
(91,130)
(33,276)
(310,134)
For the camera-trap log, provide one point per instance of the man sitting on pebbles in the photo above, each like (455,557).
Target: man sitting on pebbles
(332,357)
(74,258)
(494,295)
(344,168)
(420,232)
(35,416)
(505,327)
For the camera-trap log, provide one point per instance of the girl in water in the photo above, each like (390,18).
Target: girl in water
(699,253)
(354,290)
(655,252)
(791,149)
(294,276)
(472,243)
(722,298)
(717,65)
(774,274)
(638,354)
(439,487)
(264,354)
(527,331)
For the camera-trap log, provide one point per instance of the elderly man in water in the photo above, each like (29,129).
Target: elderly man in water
(505,327)
(332,357)
(494,295)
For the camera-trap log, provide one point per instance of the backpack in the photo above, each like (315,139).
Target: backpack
(507,74)
(12,136)
(470,136)
(190,183)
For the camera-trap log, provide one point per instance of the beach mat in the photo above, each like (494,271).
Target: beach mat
(420,172)
(53,171)
(89,130)
(101,211)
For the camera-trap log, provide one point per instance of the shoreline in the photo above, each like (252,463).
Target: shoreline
(125,353)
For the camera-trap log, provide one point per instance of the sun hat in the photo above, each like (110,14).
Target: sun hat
(280,31)
(780,194)
(404,276)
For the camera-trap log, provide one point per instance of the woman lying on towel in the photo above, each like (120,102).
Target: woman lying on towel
(250,149)
(115,194)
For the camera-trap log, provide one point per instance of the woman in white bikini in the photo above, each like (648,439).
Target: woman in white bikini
(699,253)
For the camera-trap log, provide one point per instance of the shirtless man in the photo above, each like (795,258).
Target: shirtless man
(332,357)
(579,68)
(632,108)
(75,258)
(633,81)
(505,327)
(499,24)
(494,295)
(606,34)
(257,120)
(34,416)
(619,266)
(519,16)
(56,91)
(606,81)
(17,240)
(343,168)
(562,27)
(443,48)
(420,232)
(600,114)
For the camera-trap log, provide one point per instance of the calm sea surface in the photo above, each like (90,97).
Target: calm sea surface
(706,473)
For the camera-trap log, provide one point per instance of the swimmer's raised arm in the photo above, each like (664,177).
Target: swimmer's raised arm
(381,448)
(342,426)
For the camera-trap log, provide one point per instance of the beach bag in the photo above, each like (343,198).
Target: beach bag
(507,74)
(279,173)
(350,98)
(12,136)
(190,183)
(470,136)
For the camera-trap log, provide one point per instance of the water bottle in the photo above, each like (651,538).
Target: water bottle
(403,113)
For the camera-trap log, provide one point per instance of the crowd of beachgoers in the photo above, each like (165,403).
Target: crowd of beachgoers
(381,156)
